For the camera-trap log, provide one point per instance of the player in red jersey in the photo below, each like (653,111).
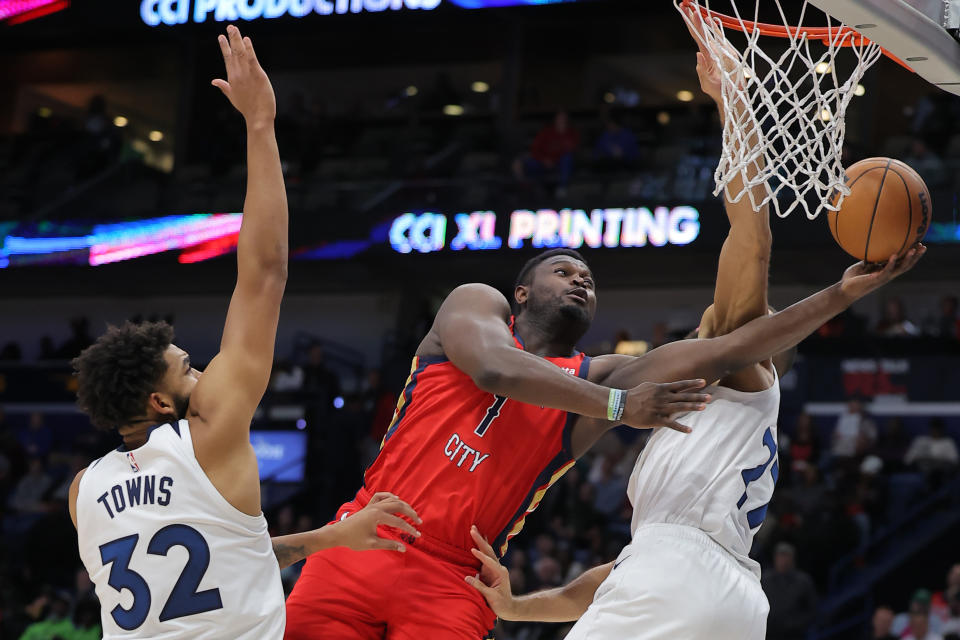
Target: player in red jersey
(497,407)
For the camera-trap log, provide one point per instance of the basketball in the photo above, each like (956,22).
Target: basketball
(886,213)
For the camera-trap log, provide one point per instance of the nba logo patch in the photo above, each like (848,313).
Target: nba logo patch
(133,462)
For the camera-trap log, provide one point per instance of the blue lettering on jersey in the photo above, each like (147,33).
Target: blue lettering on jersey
(165,483)
(133,491)
(149,489)
(116,492)
(755,516)
(142,490)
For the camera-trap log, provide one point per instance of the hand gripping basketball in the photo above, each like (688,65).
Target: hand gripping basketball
(651,405)
(864,278)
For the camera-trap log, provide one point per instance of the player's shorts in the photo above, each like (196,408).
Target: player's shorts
(674,581)
(387,595)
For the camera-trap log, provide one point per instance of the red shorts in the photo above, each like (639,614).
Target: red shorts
(388,595)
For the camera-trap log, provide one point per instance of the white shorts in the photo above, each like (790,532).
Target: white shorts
(674,581)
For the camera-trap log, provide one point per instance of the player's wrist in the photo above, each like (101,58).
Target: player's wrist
(259,124)
(616,404)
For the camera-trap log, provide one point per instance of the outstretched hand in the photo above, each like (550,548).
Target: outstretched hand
(247,86)
(493,581)
(708,71)
(652,404)
(359,530)
(863,278)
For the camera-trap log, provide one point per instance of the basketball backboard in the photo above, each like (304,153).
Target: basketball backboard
(919,32)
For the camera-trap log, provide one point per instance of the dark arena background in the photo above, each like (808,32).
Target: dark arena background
(404,129)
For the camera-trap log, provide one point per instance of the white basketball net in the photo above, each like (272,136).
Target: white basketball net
(784,116)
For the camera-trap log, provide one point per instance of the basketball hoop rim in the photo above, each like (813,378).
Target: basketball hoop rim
(827,35)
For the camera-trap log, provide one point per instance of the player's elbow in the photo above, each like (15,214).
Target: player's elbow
(490,379)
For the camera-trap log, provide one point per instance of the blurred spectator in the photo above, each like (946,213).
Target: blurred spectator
(286,376)
(47,350)
(792,596)
(804,446)
(610,488)
(853,434)
(891,444)
(37,438)
(79,340)
(919,628)
(951,627)
(11,352)
(58,624)
(847,324)
(882,624)
(102,140)
(551,151)
(948,324)
(28,495)
(808,497)
(548,573)
(616,147)
(894,320)
(317,377)
(940,602)
(935,453)
(926,163)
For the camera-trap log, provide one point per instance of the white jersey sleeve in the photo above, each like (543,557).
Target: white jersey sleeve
(720,477)
(169,556)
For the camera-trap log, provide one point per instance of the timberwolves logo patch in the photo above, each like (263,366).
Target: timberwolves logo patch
(133,462)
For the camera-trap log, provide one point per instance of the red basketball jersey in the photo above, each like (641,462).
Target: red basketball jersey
(461,456)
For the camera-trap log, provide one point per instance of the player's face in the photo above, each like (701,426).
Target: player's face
(179,381)
(563,286)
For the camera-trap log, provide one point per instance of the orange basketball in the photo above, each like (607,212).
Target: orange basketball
(886,213)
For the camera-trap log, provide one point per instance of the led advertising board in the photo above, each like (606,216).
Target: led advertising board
(174,12)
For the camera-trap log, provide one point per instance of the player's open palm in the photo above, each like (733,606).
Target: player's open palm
(862,278)
(651,405)
(493,582)
(359,530)
(247,86)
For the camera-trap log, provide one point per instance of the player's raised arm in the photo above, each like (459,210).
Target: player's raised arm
(563,604)
(230,389)
(471,328)
(740,294)
(762,337)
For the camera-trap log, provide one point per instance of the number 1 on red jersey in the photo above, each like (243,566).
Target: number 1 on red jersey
(493,412)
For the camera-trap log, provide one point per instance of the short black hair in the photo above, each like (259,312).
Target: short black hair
(118,372)
(526,273)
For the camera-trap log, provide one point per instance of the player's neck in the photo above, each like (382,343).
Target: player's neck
(135,434)
(542,339)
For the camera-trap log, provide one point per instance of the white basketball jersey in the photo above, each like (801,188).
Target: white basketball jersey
(720,477)
(169,556)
